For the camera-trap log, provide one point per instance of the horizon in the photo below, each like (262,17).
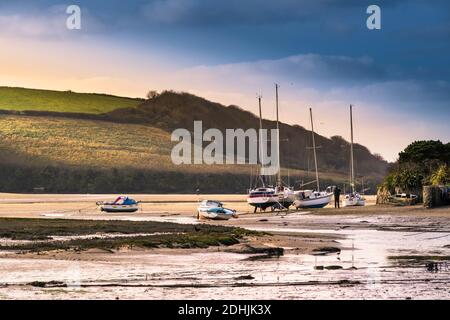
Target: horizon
(321,53)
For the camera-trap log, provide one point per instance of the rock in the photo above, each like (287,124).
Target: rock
(333,267)
(47,284)
(318,267)
(247,277)
(325,250)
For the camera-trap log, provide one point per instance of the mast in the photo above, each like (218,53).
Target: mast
(314,148)
(260,137)
(352,161)
(278,130)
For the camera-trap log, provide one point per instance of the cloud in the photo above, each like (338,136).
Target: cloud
(391,109)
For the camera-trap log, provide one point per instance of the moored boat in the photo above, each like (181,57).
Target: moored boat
(285,197)
(279,197)
(262,198)
(214,210)
(353,199)
(121,204)
(311,199)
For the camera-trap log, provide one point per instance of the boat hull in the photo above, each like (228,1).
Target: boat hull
(354,202)
(215,216)
(262,202)
(316,203)
(119,208)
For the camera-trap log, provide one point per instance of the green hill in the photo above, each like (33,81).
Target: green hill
(77,155)
(172,110)
(93,144)
(22,99)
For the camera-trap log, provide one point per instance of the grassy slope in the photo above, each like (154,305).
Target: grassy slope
(98,144)
(46,140)
(21,99)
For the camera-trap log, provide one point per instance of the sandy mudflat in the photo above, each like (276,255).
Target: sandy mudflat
(385,254)
(83,206)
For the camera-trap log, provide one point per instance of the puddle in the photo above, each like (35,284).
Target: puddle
(361,270)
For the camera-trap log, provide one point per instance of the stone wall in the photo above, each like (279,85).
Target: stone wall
(436,196)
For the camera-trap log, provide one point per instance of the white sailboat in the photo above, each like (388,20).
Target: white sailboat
(354,198)
(313,198)
(284,193)
(278,197)
(262,197)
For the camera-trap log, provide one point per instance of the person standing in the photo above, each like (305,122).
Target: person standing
(337,195)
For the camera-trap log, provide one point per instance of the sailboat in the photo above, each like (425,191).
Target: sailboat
(313,198)
(262,197)
(353,199)
(284,193)
(278,197)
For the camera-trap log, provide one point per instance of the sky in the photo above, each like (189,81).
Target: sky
(320,52)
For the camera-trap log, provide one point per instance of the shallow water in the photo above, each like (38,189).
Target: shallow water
(213,275)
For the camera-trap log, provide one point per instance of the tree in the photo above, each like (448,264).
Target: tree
(152,94)
(421,151)
(441,176)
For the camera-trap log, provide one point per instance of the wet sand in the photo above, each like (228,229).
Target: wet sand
(372,241)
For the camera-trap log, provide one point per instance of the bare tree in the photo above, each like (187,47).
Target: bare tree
(152,94)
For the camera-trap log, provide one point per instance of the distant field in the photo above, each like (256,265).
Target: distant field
(21,99)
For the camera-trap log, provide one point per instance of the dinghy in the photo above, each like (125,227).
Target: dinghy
(354,200)
(214,210)
(121,204)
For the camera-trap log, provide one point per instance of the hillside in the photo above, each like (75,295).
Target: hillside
(128,149)
(171,110)
(21,99)
(77,155)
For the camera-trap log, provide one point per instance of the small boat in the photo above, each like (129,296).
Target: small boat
(354,200)
(214,210)
(405,196)
(121,204)
(312,199)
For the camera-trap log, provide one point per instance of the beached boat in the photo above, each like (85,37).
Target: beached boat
(262,198)
(313,198)
(214,210)
(354,198)
(278,197)
(121,204)
(285,197)
(284,193)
